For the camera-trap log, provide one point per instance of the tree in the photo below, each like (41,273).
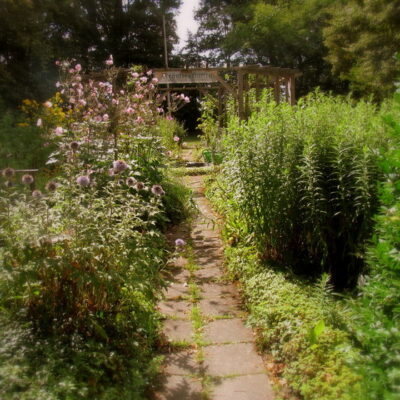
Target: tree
(34,33)
(363,37)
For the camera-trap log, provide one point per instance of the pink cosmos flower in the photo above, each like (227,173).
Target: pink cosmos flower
(154,80)
(58,84)
(135,75)
(170,117)
(78,67)
(105,117)
(176,139)
(129,110)
(48,104)
(186,99)
(149,72)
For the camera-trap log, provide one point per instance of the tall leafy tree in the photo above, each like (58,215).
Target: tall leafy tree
(363,37)
(34,33)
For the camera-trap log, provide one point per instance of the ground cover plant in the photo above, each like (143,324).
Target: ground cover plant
(80,258)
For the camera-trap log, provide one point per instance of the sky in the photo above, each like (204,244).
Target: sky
(185,20)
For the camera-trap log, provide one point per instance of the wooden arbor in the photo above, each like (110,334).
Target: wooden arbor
(236,81)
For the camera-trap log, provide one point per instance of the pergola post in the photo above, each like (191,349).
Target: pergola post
(277,90)
(240,95)
(292,90)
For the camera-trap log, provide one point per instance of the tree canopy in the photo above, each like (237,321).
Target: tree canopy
(34,33)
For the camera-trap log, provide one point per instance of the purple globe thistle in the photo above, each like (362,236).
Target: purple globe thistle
(180,243)
(74,146)
(83,180)
(140,186)
(157,190)
(27,179)
(8,172)
(131,181)
(51,186)
(119,166)
(37,194)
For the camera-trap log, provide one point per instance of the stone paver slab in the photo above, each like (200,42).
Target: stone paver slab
(176,290)
(207,274)
(218,291)
(227,330)
(232,359)
(177,387)
(181,363)
(248,387)
(177,330)
(177,309)
(220,307)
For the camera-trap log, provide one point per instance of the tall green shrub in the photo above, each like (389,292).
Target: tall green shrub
(378,324)
(305,179)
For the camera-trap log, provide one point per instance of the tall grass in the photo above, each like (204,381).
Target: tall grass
(304,179)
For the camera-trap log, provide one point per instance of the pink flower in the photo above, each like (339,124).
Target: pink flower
(58,84)
(48,104)
(39,122)
(179,242)
(186,99)
(135,75)
(59,131)
(139,120)
(105,117)
(143,79)
(78,67)
(154,80)
(27,179)
(176,139)
(97,118)
(170,117)
(119,166)
(115,101)
(129,110)
(149,72)
(58,63)
(83,180)
(157,190)
(72,100)
(110,60)
(82,102)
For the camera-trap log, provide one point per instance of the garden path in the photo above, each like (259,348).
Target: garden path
(211,353)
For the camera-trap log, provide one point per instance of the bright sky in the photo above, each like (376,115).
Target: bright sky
(185,20)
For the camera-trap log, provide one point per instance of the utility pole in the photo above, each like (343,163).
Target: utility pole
(166,60)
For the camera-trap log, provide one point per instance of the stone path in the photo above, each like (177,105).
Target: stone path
(212,353)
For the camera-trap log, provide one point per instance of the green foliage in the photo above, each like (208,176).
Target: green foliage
(377,326)
(79,276)
(35,33)
(362,38)
(304,178)
(22,146)
(299,324)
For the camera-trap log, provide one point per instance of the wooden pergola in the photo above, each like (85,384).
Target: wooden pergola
(236,81)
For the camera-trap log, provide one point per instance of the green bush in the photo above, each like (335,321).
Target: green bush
(377,326)
(304,178)
(299,324)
